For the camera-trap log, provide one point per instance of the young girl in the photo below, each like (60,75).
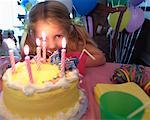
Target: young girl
(52,17)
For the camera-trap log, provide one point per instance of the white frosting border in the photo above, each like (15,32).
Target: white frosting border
(74,113)
(31,88)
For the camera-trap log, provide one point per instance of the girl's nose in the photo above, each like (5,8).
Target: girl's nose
(51,43)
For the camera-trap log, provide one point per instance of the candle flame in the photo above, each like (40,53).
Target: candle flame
(38,42)
(11,50)
(44,36)
(64,42)
(26,49)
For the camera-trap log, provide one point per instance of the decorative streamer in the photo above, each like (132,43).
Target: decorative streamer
(145,5)
(129,46)
(116,55)
(118,48)
(125,47)
(121,34)
(132,73)
(134,45)
(111,38)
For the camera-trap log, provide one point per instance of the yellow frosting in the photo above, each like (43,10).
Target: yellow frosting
(45,73)
(39,104)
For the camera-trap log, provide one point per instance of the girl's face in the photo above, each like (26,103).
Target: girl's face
(54,34)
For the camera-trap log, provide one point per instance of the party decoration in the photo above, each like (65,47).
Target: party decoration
(113,19)
(55,58)
(118,2)
(24,2)
(80,61)
(135,2)
(132,73)
(83,7)
(137,19)
(27,4)
(67,3)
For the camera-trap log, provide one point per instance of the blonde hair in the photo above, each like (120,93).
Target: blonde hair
(50,11)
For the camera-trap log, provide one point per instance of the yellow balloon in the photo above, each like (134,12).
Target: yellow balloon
(113,19)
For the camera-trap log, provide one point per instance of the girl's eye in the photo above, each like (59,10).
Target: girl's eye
(58,37)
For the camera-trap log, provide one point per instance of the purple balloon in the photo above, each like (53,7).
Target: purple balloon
(137,19)
(136,2)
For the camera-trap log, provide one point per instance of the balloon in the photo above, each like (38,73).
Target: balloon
(137,19)
(33,2)
(135,2)
(67,3)
(118,2)
(113,19)
(27,4)
(24,2)
(83,7)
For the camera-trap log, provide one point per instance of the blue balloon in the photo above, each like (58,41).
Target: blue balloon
(24,2)
(83,7)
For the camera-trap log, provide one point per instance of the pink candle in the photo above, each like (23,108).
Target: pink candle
(27,60)
(12,60)
(63,54)
(44,46)
(38,52)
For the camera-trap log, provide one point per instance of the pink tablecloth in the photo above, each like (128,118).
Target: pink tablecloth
(101,74)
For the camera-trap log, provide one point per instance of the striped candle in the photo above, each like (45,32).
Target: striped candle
(38,52)
(63,56)
(27,60)
(44,46)
(12,60)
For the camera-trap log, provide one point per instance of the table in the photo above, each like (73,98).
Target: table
(100,74)
(93,75)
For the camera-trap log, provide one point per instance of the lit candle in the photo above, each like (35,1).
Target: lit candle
(38,52)
(27,60)
(63,54)
(12,60)
(44,46)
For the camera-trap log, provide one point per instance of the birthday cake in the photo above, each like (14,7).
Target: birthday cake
(47,97)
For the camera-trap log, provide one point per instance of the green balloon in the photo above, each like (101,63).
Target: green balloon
(113,19)
(118,2)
